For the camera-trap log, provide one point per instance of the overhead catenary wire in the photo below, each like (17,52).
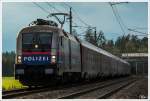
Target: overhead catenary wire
(133,30)
(122,22)
(77,15)
(43,9)
(80,18)
(64,6)
(129,29)
(51,6)
(114,8)
(114,12)
(140,28)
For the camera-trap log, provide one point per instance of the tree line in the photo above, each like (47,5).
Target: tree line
(8,61)
(123,44)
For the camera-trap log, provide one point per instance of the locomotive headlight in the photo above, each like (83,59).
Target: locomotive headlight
(19,59)
(53,59)
(36,46)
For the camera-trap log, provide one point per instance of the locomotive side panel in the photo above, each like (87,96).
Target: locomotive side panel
(73,54)
(66,54)
(19,44)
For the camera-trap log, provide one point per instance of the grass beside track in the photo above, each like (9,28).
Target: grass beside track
(9,83)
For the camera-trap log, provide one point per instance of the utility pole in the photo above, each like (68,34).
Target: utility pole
(62,22)
(70,18)
(64,14)
(95,34)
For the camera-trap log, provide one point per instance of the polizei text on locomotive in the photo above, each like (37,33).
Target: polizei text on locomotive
(36,58)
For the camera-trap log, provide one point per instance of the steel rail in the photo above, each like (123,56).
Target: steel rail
(88,90)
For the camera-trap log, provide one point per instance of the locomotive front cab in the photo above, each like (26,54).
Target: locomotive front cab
(37,55)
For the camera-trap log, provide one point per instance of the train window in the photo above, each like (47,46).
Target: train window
(45,38)
(27,38)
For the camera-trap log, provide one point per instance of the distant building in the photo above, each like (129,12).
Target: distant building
(138,61)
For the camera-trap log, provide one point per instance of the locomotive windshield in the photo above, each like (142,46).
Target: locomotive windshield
(27,38)
(43,40)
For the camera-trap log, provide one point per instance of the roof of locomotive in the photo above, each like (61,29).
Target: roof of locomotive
(39,28)
(99,50)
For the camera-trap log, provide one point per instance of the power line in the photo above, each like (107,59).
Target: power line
(41,8)
(75,24)
(64,5)
(117,18)
(77,15)
(133,30)
(67,5)
(80,19)
(51,6)
(117,12)
(140,28)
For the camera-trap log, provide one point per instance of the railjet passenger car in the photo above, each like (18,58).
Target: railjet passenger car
(46,54)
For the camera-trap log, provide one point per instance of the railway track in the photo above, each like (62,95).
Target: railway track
(100,91)
(27,91)
(68,91)
(20,92)
(13,90)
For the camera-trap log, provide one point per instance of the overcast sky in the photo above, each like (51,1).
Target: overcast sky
(15,16)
